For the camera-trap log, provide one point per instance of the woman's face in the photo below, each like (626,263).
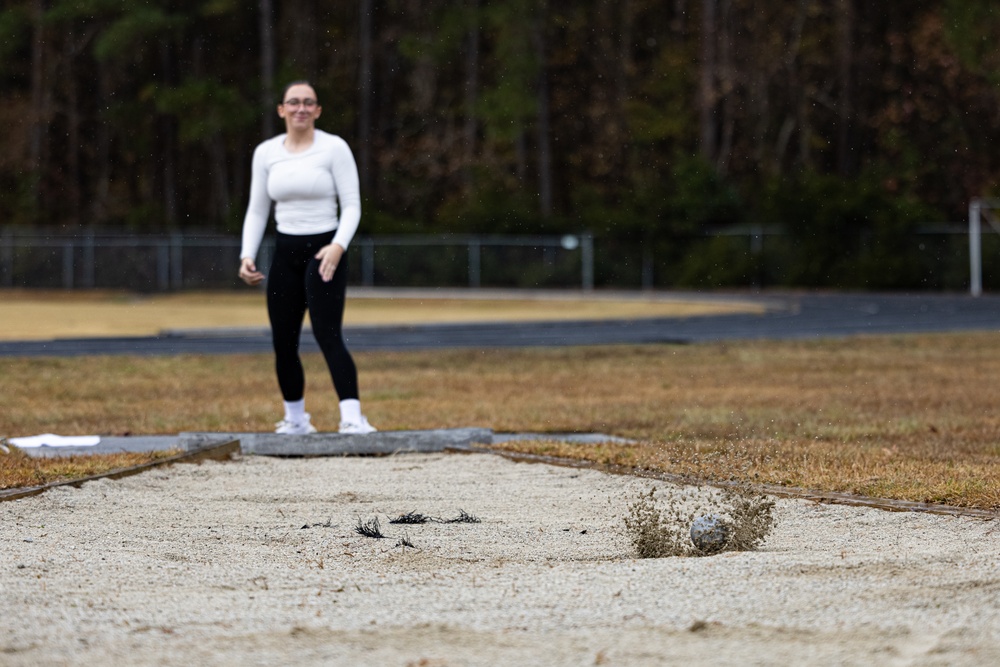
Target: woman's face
(300,109)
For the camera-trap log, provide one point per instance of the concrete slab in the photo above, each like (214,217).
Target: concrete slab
(115,445)
(381,443)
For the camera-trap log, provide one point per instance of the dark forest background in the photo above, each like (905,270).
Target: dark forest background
(846,128)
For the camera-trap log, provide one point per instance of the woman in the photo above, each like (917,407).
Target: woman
(306,173)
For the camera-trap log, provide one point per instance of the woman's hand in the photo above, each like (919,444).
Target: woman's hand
(249,273)
(329,257)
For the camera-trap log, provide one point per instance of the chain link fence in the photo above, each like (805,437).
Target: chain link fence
(170,262)
(935,258)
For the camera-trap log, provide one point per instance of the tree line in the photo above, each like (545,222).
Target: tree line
(648,123)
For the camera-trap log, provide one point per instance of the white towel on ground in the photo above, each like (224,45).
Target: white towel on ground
(53,440)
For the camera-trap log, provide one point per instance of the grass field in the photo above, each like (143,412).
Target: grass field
(35,315)
(904,417)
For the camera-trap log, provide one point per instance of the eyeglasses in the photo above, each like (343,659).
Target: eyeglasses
(308,104)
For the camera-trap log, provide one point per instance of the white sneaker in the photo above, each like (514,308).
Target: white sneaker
(357,428)
(303,427)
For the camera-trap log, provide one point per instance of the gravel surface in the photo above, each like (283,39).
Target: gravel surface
(256,562)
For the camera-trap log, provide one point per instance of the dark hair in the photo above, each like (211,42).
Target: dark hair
(300,82)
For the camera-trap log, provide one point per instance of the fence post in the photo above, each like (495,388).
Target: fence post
(162,264)
(647,267)
(475,263)
(587,259)
(757,249)
(368,262)
(975,250)
(89,270)
(7,258)
(176,261)
(67,265)
(756,239)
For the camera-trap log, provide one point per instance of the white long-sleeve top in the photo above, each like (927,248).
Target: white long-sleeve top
(305,188)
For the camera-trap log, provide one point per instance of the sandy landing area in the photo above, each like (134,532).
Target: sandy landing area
(256,562)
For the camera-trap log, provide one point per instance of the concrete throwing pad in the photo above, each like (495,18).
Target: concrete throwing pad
(337,444)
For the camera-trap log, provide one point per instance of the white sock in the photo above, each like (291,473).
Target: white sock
(350,411)
(295,411)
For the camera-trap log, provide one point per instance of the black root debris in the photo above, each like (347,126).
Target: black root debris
(463,517)
(373,529)
(417,518)
(370,528)
(411,518)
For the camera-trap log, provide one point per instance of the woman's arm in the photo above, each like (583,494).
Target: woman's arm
(258,209)
(345,178)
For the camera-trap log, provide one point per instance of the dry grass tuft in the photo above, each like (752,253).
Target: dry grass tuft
(405,542)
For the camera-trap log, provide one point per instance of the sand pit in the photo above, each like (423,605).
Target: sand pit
(256,561)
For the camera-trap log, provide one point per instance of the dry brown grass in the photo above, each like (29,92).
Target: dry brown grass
(18,470)
(43,315)
(906,417)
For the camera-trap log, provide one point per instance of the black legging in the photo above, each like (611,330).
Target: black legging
(293,285)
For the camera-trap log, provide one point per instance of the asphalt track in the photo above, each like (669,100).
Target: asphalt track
(787,316)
